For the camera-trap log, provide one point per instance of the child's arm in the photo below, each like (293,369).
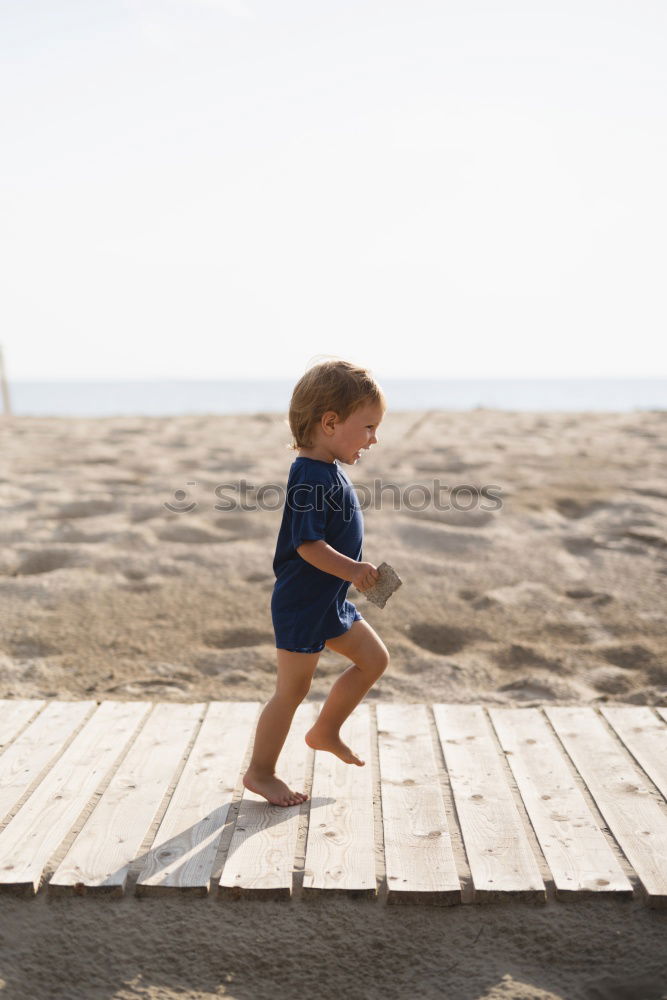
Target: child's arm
(321,555)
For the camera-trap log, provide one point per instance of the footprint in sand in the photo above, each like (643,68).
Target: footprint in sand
(66,532)
(102,458)
(230,638)
(517,655)
(259,578)
(654,539)
(578,545)
(30,648)
(141,586)
(443,639)
(629,657)
(527,595)
(237,677)
(648,491)
(85,508)
(611,680)
(135,573)
(584,594)
(192,534)
(145,511)
(577,634)
(528,688)
(48,560)
(118,432)
(656,672)
(574,508)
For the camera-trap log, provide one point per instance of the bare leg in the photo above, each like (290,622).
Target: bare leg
(362,644)
(295,672)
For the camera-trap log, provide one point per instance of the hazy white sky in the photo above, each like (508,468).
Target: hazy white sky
(212,188)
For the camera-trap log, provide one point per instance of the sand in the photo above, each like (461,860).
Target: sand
(557,596)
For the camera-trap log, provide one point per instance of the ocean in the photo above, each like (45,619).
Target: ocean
(161,397)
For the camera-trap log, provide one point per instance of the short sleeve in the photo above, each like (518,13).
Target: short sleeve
(308,512)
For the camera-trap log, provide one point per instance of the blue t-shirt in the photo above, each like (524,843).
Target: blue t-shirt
(307,604)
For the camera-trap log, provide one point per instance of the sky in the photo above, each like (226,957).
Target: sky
(231,188)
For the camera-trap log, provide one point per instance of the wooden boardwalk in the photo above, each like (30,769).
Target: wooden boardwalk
(143,797)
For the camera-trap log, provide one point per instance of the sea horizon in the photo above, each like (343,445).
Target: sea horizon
(174,397)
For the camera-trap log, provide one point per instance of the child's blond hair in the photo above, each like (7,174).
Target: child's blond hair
(330,385)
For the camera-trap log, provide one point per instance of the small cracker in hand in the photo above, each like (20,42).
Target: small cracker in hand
(385,585)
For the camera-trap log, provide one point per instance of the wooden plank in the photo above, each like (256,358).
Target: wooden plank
(621,793)
(645,736)
(579,857)
(340,850)
(37,748)
(100,856)
(417,843)
(184,850)
(260,860)
(501,860)
(47,816)
(15,713)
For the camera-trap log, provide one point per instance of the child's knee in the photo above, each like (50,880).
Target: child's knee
(379,663)
(295,690)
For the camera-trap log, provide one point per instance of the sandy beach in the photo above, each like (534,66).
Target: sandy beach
(553,594)
(557,595)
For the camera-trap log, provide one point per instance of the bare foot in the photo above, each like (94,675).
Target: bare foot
(273,789)
(319,740)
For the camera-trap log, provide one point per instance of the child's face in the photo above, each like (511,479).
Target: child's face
(357,433)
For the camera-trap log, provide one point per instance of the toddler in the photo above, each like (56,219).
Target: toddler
(335,411)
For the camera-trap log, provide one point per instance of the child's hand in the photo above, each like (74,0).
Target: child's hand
(365,576)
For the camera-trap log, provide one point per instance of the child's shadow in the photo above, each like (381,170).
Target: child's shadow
(193,861)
